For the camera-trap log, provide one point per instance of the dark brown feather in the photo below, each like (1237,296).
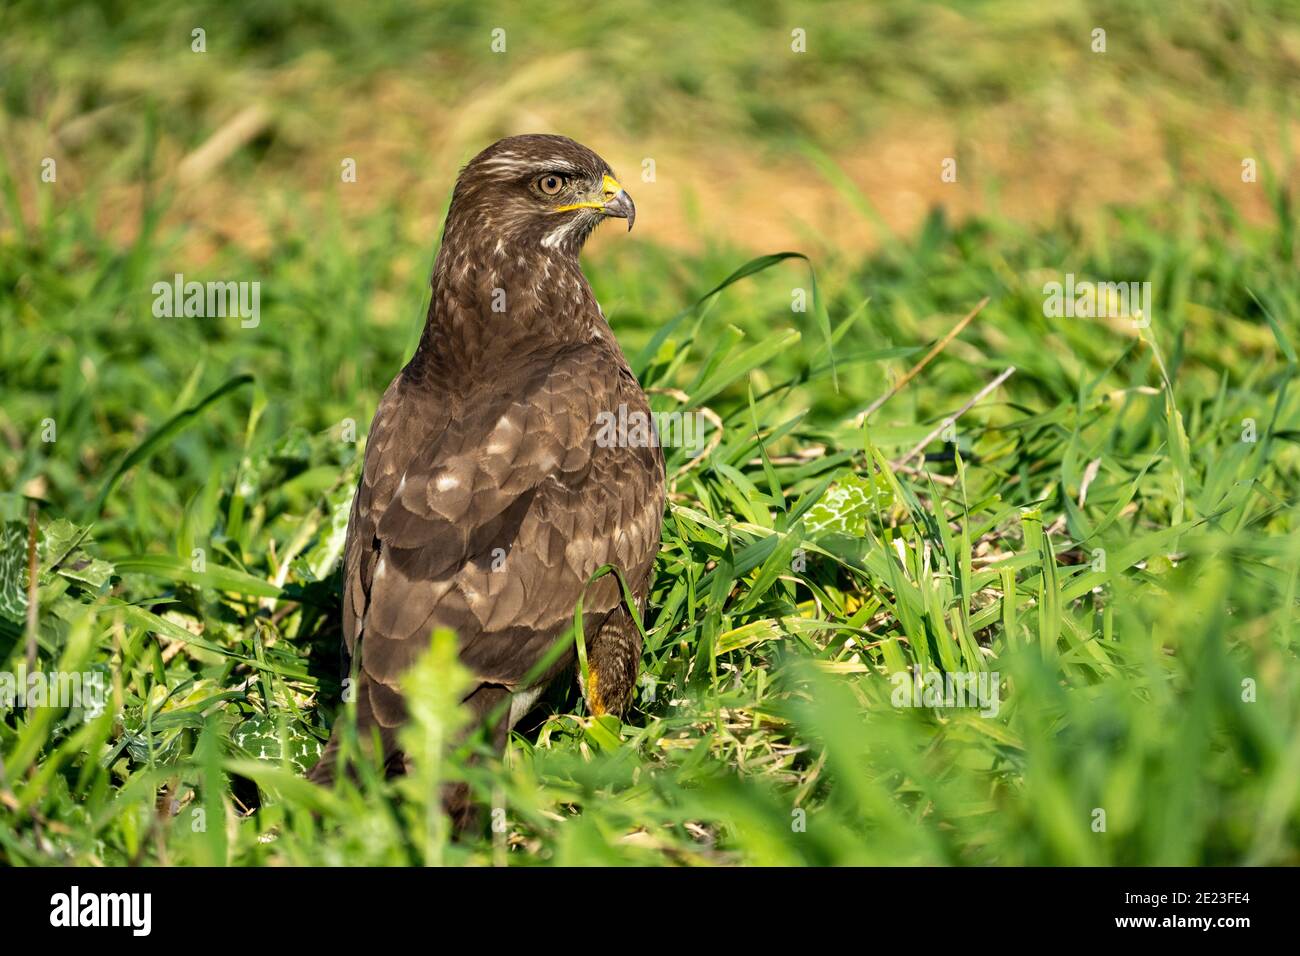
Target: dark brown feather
(485,502)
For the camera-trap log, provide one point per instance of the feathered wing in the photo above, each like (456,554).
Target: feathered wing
(488,516)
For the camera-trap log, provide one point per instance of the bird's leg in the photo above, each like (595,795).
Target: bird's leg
(613,656)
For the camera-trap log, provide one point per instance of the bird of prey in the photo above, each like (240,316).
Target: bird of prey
(487,499)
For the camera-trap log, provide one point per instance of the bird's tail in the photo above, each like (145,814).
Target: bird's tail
(489,705)
(368,721)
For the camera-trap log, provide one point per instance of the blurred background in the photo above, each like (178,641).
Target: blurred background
(230,159)
(752,141)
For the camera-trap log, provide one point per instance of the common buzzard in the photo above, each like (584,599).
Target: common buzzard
(490,492)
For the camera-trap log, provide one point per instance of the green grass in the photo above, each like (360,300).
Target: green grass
(1144,634)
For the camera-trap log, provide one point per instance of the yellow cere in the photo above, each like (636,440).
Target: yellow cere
(609,187)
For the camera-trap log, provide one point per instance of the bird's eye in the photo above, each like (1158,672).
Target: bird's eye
(551,183)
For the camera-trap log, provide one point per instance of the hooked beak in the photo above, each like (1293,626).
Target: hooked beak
(618,203)
(614,202)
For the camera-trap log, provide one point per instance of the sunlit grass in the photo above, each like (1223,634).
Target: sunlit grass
(1111,532)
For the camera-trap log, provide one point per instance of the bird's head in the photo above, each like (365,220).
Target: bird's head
(536,192)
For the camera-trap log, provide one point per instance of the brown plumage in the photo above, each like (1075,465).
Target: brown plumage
(486,501)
